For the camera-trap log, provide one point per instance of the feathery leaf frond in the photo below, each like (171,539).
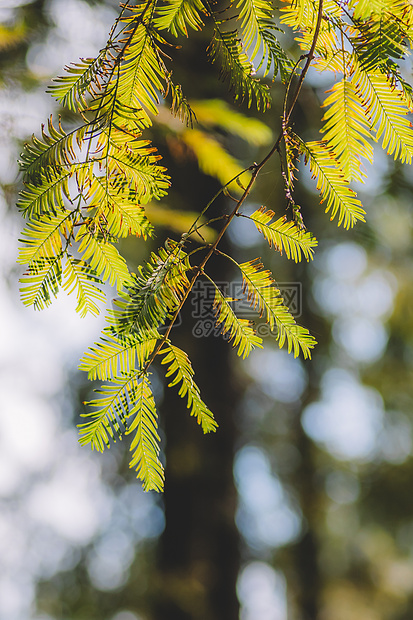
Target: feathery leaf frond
(145,443)
(239,330)
(180,106)
(266,298)
(141,78)
(43,238)
(114,355)
(378,40)
(181,367)
(79,277)
(70,89)
(49,154)
(103,257)
(236,67)
(258,28)
(126,405)
(39,200)
(177,15)
(384,103)
(285,236)
(107,419)
(43,279)
(347,128)
(332,184)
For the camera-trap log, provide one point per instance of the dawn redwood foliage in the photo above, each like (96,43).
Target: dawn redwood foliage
(92,182)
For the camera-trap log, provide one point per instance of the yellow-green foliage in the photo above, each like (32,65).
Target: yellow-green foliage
(240,331)
(284,235)
(180,365)
(95,181)
(266,299)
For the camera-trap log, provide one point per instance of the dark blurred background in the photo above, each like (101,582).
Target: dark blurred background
(300,507)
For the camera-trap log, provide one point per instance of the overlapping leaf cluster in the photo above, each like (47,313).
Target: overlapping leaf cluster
(88,184)
(364,43)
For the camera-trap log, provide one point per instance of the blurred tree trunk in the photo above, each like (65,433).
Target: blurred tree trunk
(309,580)
(305,553)
(198,555)
(198,559)
(306,579)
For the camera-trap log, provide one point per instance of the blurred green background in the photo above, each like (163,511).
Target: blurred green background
(301,506)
